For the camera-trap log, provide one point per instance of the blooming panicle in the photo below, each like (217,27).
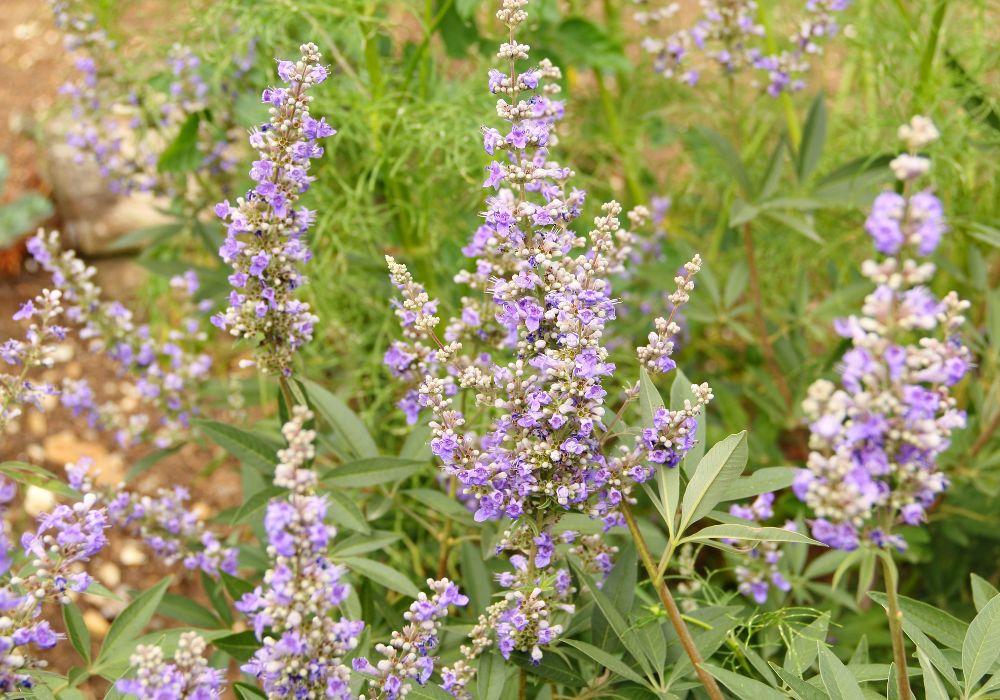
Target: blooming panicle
(187,677)
(292,612)
(760,570)
(65,538)
(656,356)
(165,522)
(409,656)
(875,440)
(729,35)
(43,314)
(265,229)
(166,368)
(529,346)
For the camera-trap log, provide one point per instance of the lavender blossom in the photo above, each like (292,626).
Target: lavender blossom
(729,35)
(304,647)
(35,351)
(188,677)
(66,538)
(164,522)
(167,368)
(408,655)
(759,570)
(265,233)
(876,441)
(532,353)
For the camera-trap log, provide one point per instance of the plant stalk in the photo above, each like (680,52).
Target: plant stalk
(895,616)
(673,612)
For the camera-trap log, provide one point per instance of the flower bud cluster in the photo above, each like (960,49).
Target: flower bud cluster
(875,442)
(292,612)
(166,368)
(408,655)
(188,677)
(44,332)
(265,231)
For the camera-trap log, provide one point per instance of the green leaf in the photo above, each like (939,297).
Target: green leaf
(30,475)
(933,687)
(619,587)
(21,216)
(982,591)
(981,646)
(382,575)
(800,688)
(184,609)
(235,587)
(149,461)
(802,651)
(552,668)
(466,9)
(350,430)
(492,675)
(440,503)
(855,182)
(813,138)
(429,691)
(216,593)
(712,478)
(680,391)
(241,645)
(247,692)
(946,628)
(583,43)
(182,154)
(362,544)
(347,514)
(743,687)
(734,531)
(837,679)
(131,621)
(761,481)
(76,629)
(796,223)
(255,503)
(249,448)
(606,660)
(475,576)
(730,158)
(371,471)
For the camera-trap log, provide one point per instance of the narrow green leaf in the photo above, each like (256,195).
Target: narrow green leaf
(182,154)
(802,651)
(382,575)
(749,532)
(982,591)
(946,628)
(981,646)
(838,681)
(712,478)
(347,514)
(933,687)
(619,587)
(345,423)
(492,675)
(247,692)
(813,138)
(249,448)
(76,629)
(371,471)
(800,688)
(743,687)
(131,621)
(761,481)
(257,502)
(475,576)
(729,157)
(241,645)
(552,668)
(31,475)
(185,610)
(440,503)
(362,544)
(145,463)
(606,660)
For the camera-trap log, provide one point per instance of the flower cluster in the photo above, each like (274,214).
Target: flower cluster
(188,677)
(531,352)
(875,442)
(408,655)
(760,571)
(164,522)
(729,35)
(44,331)
(166,368)
(265,231)
(292,612)
(65,538)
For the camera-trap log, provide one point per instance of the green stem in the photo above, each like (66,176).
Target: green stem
(673,612)
(787,106)
(895,616)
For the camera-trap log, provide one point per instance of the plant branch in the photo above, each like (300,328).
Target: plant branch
(895,616)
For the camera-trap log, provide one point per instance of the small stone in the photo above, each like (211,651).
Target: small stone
(109,574)
(66,447)
(131,555)
(37,501)
(96,624)
(37,424)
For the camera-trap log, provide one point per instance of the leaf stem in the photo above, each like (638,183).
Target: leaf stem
(673,612)
(895,616)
